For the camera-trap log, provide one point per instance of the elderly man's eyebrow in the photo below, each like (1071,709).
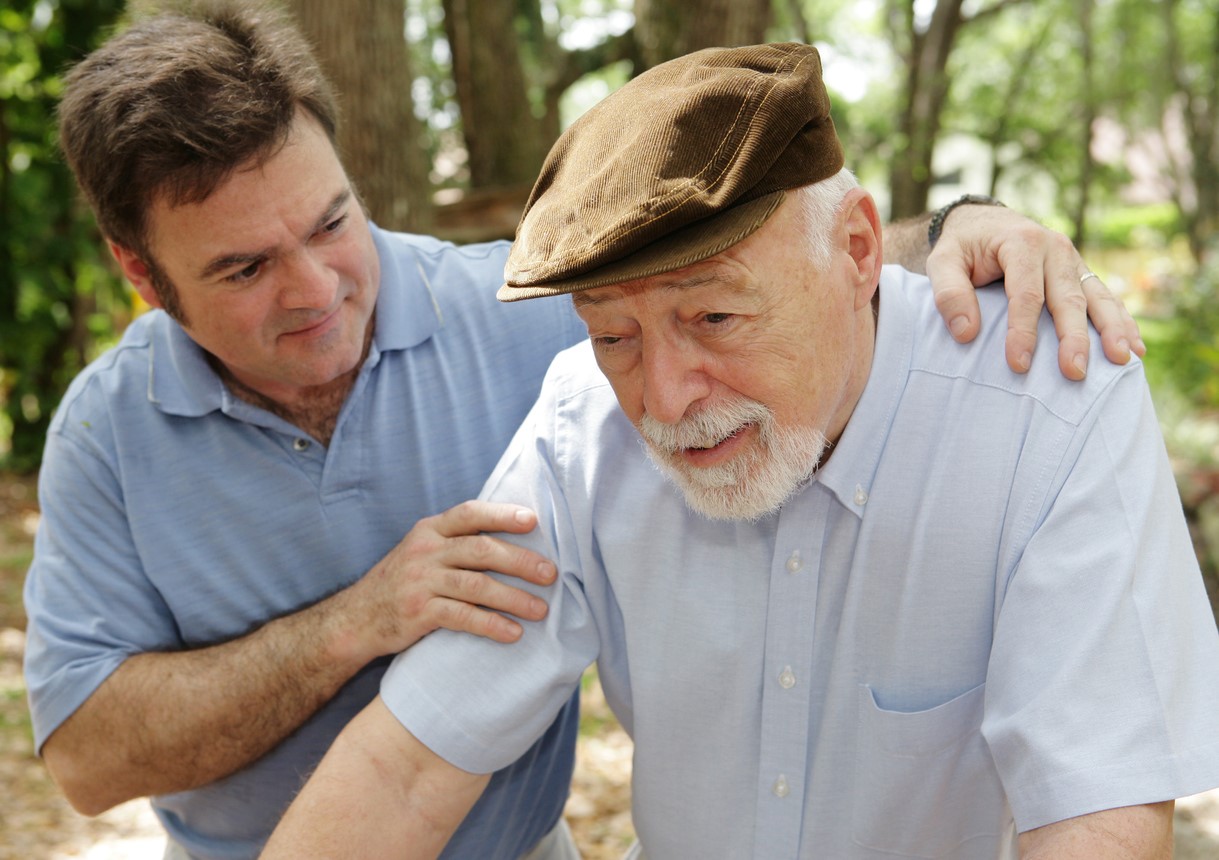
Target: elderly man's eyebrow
(711,276)
(245,258)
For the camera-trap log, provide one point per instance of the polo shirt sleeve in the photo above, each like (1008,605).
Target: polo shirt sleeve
(481,704)
(88,603)
(1103,682)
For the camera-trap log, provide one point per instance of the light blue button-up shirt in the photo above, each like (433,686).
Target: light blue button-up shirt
(176,515)
(982,615)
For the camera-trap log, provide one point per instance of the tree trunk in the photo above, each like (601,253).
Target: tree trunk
(911,176)
(1087,166)
(362,46)
(505,141)
(1000,133)
(665,29)
(1200,113)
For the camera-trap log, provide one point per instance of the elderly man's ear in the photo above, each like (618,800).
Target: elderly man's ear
(861,222)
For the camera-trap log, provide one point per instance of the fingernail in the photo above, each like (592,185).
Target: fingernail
(1081,364)
(522,515)
(546,572)
(1140,346)
(1124,346)
(1026,360)
(958,325)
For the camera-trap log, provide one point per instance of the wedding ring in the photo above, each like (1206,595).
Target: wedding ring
(1087,275)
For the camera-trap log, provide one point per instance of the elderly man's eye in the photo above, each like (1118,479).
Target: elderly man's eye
(715,319)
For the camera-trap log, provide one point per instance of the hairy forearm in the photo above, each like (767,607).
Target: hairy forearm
(905,243)
(166,722)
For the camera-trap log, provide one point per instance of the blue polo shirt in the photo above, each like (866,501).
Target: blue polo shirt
(176,516)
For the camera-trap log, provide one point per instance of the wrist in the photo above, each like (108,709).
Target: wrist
(936,227)
(343,637)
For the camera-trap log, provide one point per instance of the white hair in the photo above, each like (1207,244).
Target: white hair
(820,203)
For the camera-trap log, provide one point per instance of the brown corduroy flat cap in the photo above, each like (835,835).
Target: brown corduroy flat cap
(678,165)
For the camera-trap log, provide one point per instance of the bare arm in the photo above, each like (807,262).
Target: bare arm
(165,722)
(981,244)
(378,792)
(1128,833)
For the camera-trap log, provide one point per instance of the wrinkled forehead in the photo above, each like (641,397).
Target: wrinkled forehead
(706,275)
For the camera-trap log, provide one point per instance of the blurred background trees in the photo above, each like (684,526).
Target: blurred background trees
(57,294)
(1100,117)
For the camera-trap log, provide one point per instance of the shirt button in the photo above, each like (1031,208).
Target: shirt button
(781,788)
(861,495)
(300,444)
(787,678)
(793,563)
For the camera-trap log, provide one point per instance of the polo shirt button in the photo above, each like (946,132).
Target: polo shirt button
(300,444)
(781,788)
(861,495)
(787,678)
(793,563)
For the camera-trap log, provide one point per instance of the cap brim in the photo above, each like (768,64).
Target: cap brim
(679,249)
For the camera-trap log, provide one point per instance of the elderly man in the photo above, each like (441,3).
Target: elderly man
(894,601)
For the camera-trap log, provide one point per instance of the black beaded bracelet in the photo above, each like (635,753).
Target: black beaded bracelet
(937,220)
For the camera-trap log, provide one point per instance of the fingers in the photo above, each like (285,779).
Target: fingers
(955,296)
(1024,282)
(1043,268)
(1074,346)
(463,544)
(1039,267)
(455,593)
(439,570)
(484,552)
(1118,330)
(478,605)
(476,516)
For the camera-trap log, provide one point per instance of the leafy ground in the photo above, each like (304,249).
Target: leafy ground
(37,824)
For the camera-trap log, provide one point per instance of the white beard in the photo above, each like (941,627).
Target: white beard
(754,483)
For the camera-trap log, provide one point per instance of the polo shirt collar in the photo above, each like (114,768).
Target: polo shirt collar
(407,312)
(852,468)
(181,381)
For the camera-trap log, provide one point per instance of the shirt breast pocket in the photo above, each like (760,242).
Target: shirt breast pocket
(926,785)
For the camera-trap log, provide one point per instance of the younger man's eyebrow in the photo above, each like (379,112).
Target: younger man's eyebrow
(245,258)
(340,200)
(219,264)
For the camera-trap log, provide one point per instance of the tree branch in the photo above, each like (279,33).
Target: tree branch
(992,10)
(570,66)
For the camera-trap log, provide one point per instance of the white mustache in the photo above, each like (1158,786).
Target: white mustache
(705,428)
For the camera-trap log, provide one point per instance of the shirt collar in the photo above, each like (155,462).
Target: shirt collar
(852,468)
(182,382)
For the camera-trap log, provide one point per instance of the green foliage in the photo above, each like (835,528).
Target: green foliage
(1137,226)
(57,296)
(1183,351)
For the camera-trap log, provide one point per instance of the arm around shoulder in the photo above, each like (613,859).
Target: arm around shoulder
(377,790)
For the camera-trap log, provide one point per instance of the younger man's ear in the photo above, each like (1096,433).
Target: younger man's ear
(135,270)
